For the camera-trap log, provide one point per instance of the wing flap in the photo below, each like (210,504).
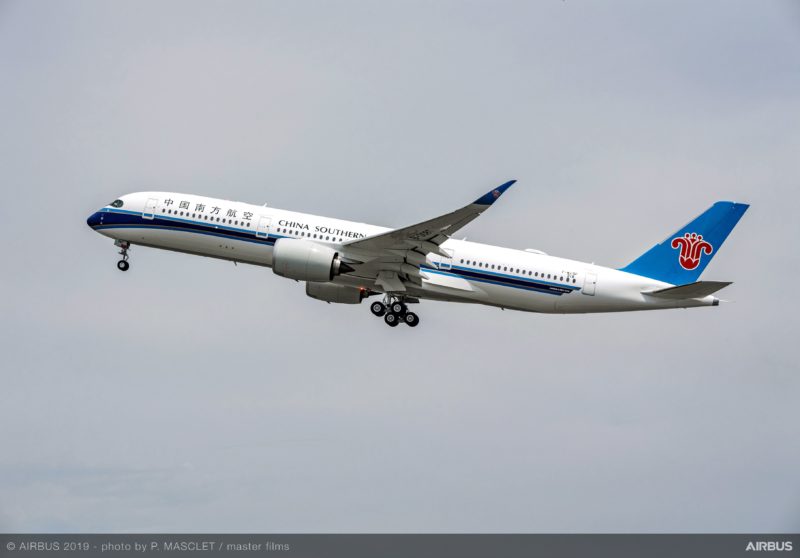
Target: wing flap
(389,281)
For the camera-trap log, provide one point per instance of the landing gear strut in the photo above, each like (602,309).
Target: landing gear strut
(394,312)
(123,264)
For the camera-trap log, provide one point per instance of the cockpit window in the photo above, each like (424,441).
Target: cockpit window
(116,203)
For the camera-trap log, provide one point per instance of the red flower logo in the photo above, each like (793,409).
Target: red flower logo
(692,247)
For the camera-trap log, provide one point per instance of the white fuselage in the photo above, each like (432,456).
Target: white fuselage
(476,273)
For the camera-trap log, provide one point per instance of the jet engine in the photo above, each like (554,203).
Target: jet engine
(299,259)
(328,292)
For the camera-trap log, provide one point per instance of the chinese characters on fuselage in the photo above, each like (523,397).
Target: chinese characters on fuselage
(248,216)
(215,210)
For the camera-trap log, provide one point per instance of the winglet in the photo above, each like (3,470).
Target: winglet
(490,197)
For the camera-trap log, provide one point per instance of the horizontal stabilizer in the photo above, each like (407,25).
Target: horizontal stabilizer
(700,289)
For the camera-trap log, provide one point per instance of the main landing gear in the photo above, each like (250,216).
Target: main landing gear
(123,264)
(394,312)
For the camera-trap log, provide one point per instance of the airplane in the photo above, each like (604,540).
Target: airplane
(346,262)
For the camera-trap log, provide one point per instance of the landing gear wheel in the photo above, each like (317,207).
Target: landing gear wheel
(377,308)
(398,307)
(123,264)
(391,319)
(411,319)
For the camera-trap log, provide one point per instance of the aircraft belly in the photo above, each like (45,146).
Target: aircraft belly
(459,289)
(450,285)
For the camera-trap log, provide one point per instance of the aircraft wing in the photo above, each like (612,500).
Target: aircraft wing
(395,258)
(428,235)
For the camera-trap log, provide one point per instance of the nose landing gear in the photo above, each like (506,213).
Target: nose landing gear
(394,312)
(123,264)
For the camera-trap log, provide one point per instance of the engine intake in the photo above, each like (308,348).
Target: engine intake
(302,260)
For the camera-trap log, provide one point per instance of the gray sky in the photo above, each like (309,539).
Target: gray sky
(192,395)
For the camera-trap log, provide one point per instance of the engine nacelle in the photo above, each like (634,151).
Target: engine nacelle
(299,259)
(328,292)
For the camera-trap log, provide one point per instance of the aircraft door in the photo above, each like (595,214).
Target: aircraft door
(589,283)
(446,263)
(442,262)
(262,230)
(150,208)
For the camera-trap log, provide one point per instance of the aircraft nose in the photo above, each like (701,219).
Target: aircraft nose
(94,219)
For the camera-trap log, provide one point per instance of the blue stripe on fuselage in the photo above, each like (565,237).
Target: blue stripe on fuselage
(123,219)
(504,280)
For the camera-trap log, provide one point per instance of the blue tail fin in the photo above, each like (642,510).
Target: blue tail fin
(683,255)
